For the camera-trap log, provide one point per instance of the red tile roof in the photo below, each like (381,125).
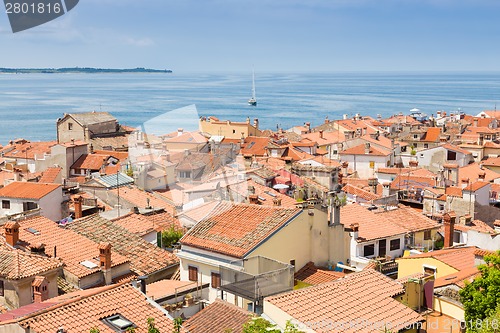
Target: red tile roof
(458,258)
(143,224)
(366,195)
(472,172)
(432,134)
(313,275)
(80,312)
(363,297)
(91,161)
(360,150)
(141,199)
(165,288)
(27,190)
(50,175)
(457,278)
(255,145)
(16,264)
(29,149)
(236,229)
(70,247)
(475,186)
(145,258)
(218,317)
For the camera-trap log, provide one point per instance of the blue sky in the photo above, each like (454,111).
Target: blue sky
(272,35)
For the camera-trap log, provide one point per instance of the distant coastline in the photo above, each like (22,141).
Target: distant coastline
(90,70)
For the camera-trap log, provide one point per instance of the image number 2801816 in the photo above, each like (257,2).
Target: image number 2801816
(27,14)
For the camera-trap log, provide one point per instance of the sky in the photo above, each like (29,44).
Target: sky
(270,35)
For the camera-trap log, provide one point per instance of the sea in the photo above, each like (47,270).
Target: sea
(30,104)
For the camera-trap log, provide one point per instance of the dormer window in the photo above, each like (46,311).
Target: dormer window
(119,323)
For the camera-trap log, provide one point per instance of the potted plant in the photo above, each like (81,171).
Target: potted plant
(188,300)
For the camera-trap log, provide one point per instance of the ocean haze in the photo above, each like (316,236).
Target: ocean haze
(31,103)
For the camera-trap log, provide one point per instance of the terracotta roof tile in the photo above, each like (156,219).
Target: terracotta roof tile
(473,170)
(50,175)
(81,312)
(458,258)
(432,134)
(145,258)
(476,225)
(457,278)
(360,150)
(236,229)
(71,248)
(91,161)
(255,145)
(143,224)
(27,190)
(165,288)
(476,186)
(266,194)
(29,149)
(142,199)
(218,317)
(366,195)
(313,275)
(16,264)
(359,297)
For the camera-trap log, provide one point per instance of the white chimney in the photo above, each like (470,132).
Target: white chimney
(180,131)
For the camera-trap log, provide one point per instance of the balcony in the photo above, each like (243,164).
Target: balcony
(257,277)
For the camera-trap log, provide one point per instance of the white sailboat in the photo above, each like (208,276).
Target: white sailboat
(253,101)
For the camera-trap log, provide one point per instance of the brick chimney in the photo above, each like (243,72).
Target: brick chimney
(105,261)
(326,120)
(40,287)
(11,233)
(413,164)
(344,168)
(355,230)
(277,202)
(78,203)
(449,228)
(321,134)
(367,148)
(308,127)
(253,199)
(482,175)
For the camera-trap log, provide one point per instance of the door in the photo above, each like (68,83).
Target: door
(382,245)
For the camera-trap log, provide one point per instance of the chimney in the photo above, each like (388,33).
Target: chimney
(91,149)
(367,148)
(344,168)
(465,182)
(103,167)
(321,134)
(482,175)
(468,220)
(355,230)
(373,182)
(242,139)
(326,120)
(386,190)
(277,202)
(248,120)
(475,122)
(413,164)
(142,280)
(253,199)
(17,175)
(105,261)
(186,152)
(40,287)
(78,203)
(308,127)
(256,123)
(180,131)
(334,218)
(11,233)
(365,130)
(449,224)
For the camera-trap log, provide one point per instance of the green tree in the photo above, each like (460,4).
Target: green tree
(177,325)
(481,297)
(171,236)
(94,330)
(151,326)
(260,325)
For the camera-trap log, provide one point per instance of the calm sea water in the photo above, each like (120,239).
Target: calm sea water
(31,103)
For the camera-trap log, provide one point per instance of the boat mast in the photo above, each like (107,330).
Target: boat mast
(253,84)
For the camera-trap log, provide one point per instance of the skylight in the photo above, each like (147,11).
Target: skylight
(33,231)
(119,323)
(88,264)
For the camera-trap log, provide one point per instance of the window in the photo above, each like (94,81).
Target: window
(1,288)
(415,136)
(382,247)
(5,204)
(193,273)
(429,270)
(369,250)
(395,244)
(215,280)
(29,206)
(234,131)
(185,174)
(451,156)
(426,145)
(427,235)
(119,323)
(70,126)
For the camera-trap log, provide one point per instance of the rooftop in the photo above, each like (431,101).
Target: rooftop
(27,190)
(220,316)
(145,258)
(365,296)
(458,258)
(313,275)
(236,229)
(91,118)
(16,264)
